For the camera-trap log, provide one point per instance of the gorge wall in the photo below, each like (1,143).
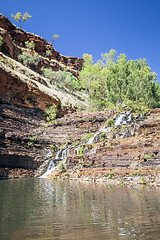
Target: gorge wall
(28,142)
(14,41)
(24,95)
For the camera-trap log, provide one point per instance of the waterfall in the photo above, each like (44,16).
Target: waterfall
(123,119)
(97,137)
(61,155)
(49,170)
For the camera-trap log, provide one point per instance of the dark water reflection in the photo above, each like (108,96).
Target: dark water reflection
(42,209)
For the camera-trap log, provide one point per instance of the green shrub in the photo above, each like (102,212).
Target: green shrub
(48,53)
(143,181)
(83,163)
(29,60)
(53,147)
(70,81)
(122,182)
(88,136)
(136,106)
(51,113)
(62,78)
(31,141)
(110,122)
(134,174)
(30,45)
(48,73)
(80,151)
(1,41)
(111,175)
(62,168)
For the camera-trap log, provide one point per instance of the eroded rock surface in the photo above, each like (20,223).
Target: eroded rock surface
(14,42)
(27,140)
(118,157)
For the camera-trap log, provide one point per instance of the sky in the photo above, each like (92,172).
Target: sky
(95,26)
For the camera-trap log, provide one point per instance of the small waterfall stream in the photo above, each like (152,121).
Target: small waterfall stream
(49,170)
(121,119)
(61,155)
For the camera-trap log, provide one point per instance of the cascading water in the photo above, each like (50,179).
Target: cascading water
(49,170)
(123,119)
(61,155)
(97,137)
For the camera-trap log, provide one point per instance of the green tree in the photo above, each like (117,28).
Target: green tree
(90,81)
(115,81)
(18,17)
(54,38)
(109,58)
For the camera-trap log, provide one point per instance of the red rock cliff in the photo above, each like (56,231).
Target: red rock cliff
(14,39)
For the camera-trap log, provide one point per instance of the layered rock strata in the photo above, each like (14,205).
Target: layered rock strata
(119,157)
(27,141)
(24,96)
(128,153)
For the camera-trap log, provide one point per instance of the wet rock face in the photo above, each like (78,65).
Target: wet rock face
(26,140)
(14,39)
(125,155)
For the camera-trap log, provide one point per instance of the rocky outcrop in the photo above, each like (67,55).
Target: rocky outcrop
(27,141)
(21,86)
(14,42)
(15,91)
(21,153)
(119,157)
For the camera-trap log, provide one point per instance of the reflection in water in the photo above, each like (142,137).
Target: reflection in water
(47,210)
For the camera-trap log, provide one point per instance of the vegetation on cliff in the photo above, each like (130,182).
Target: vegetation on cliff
(29,57)
(1,41)
(61,79)
(111,83)
(21,19)
(54,38)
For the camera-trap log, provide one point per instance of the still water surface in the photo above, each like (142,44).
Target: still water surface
(41,209)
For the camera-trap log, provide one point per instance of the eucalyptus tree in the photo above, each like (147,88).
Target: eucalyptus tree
(114,80)
(18,17)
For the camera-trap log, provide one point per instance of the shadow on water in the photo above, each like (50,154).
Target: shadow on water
(44,209)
